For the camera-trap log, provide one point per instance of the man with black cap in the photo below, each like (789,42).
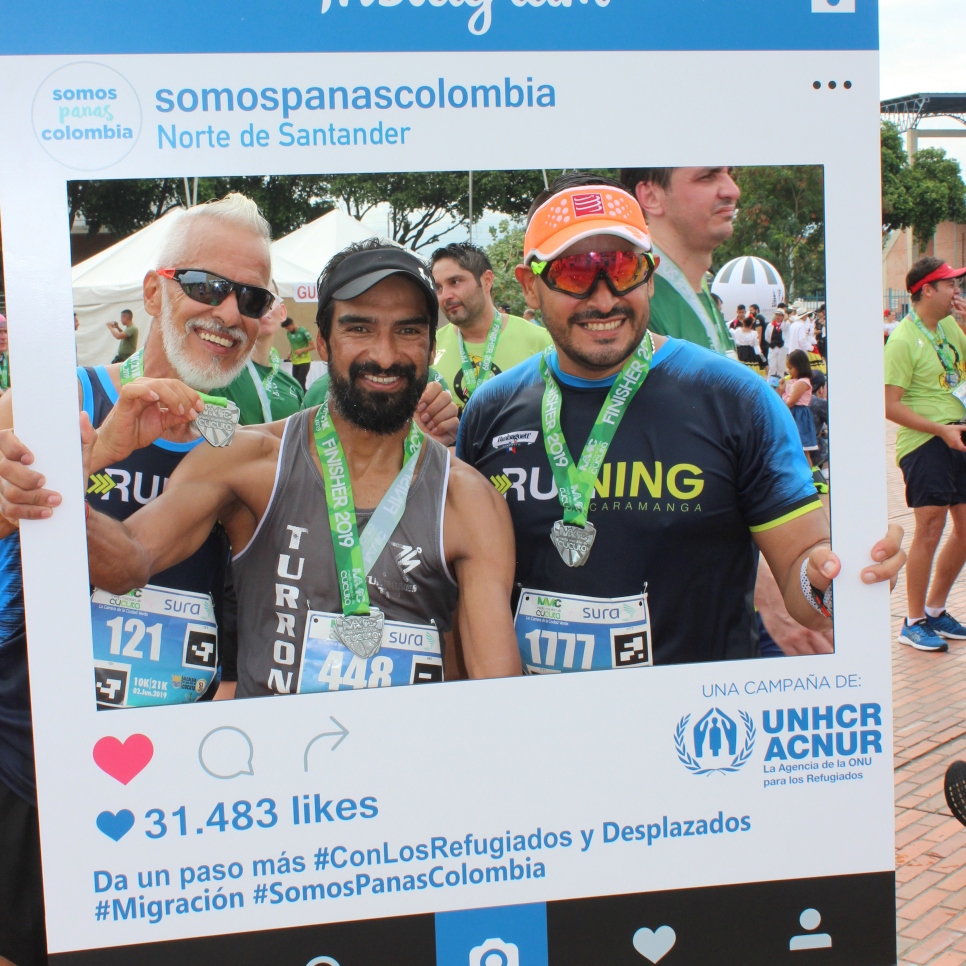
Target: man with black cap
(317,599)
(925,375)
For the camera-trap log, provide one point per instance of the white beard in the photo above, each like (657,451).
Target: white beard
(201,376)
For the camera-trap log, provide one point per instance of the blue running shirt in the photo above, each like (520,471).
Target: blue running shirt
(706,455)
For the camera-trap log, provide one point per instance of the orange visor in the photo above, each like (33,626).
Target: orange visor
(577,213)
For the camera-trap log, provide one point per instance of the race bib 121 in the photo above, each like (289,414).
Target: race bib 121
(152,645)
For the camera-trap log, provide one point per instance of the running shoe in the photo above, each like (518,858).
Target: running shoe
(922,637)
(945,625)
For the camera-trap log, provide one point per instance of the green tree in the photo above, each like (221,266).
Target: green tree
(922,194)
(286,201)
(781,218)
(506,252)
(123,207)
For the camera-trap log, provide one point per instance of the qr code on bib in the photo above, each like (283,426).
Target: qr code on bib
(631,646)
(200,646)
(111,683)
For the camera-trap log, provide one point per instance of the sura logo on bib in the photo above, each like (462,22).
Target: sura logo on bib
(86,116)
(715,742)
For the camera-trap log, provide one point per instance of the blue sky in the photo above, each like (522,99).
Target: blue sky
(923,44)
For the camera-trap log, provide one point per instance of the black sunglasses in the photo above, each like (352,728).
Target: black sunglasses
(209,289)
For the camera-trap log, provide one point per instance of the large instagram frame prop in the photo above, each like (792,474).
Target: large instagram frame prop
(569,753)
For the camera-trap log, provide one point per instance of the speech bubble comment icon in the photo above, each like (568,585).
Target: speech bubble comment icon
(226,752)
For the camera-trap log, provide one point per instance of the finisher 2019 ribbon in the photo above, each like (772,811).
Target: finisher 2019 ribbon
(573,536)
(360,627)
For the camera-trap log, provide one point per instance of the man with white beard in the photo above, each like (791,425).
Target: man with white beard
(206,295)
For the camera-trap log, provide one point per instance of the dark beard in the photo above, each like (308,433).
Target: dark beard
(382,413)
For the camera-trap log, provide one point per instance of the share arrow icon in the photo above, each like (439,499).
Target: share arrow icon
(342,733)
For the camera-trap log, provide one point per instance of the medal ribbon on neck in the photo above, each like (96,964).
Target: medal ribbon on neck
(575,483)
(470,379)
(5,372)
(945,352)
(267,385)
(355,556)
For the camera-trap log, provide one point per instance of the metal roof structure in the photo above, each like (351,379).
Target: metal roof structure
(906,112)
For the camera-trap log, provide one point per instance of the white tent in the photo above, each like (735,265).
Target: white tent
(298,258)
(110,281)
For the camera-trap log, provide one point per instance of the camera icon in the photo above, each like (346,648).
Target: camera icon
(833,6)
(495,952)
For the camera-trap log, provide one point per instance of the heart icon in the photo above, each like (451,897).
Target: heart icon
(654,946)
(123,761)
(116,826)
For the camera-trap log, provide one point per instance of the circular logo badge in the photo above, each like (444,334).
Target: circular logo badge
(86,116)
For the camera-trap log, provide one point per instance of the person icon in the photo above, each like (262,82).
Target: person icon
(810,920)
(714,737)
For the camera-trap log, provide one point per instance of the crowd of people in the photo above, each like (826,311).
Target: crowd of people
(603,457)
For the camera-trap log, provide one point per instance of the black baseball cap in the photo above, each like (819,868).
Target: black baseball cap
(358,272)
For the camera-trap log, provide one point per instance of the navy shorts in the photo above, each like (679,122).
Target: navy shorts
(935,475)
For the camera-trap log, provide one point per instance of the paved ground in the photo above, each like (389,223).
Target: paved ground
(929,691)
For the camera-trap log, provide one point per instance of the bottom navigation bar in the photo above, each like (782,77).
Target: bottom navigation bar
(834,921)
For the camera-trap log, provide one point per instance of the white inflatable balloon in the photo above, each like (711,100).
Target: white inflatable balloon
(746,280)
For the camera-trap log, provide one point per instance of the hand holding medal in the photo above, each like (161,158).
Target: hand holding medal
(144,411)
(215,416)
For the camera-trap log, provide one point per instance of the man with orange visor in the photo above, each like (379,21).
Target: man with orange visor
(643,473)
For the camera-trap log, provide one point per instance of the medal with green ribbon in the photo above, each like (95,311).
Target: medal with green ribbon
(946,353)
(470,378)
(574,535)
(360,626)
(216,422)
(4,371)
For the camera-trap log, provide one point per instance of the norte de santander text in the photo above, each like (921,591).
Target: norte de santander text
(303,103)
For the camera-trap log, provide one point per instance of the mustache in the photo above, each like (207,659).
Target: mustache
(397,370)
(595,315)
(238,335)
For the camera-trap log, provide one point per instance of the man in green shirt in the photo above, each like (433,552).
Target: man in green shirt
(480,342)
(690,212)
(300,341)
(126,333)
(263,391)
(925,375)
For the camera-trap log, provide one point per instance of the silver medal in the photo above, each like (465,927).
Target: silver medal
(217,423)
(573,543)
(361,633)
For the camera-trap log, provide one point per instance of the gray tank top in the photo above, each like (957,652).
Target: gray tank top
(288,567)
